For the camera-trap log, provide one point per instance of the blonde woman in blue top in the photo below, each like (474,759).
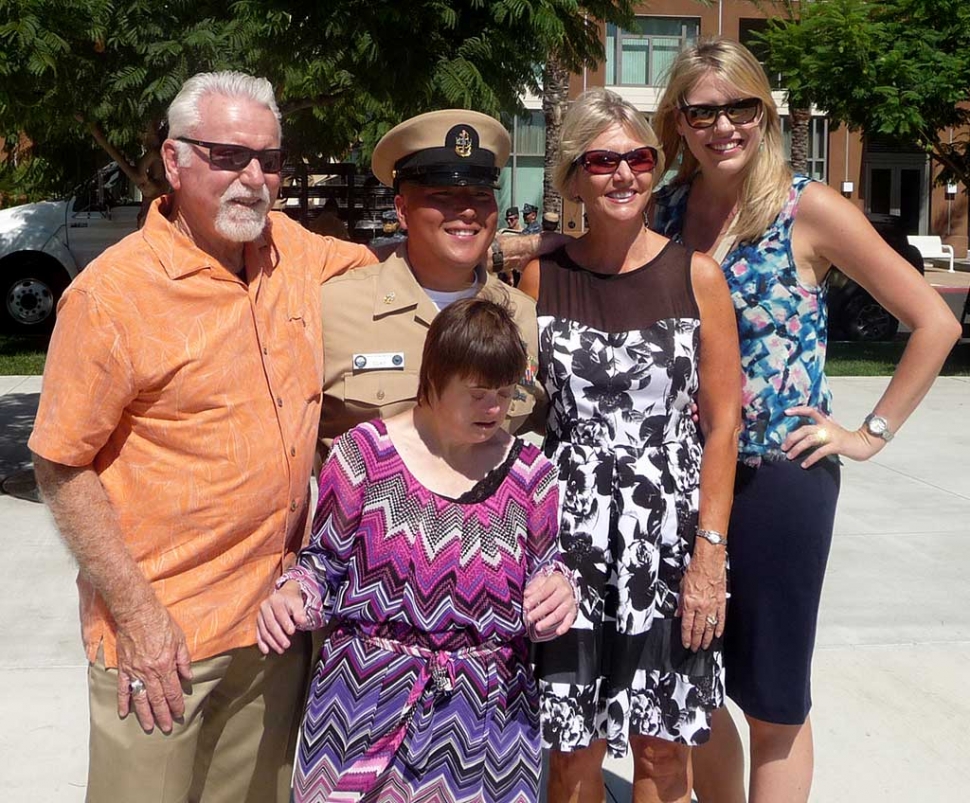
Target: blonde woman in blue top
(776,236)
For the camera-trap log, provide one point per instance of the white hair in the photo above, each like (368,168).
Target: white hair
(184,115)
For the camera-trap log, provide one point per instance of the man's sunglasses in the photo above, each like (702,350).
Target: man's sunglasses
(238,157)
(603,163)
(739,112)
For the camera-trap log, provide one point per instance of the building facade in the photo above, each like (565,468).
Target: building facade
(885,181)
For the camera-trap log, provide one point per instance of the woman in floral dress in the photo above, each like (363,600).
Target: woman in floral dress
(434,552)
(633,329)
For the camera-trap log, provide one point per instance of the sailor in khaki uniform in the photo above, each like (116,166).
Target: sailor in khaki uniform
(443,167)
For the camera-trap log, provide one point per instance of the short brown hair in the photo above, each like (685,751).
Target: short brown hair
(474,338)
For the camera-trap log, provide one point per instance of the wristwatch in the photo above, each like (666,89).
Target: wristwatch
(498,258)
(711,535)
(878,427)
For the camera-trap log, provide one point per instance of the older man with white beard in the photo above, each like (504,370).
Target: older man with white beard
(174,443)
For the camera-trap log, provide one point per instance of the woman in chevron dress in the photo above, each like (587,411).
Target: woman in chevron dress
(434,552)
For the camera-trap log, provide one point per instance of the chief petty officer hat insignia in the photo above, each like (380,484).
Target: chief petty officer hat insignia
(451,147)
(463,144)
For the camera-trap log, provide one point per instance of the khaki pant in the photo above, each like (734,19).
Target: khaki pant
(235,744)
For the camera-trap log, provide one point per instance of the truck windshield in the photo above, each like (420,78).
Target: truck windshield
(107,188)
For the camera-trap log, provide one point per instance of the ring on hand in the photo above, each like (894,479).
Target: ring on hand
(136,686)
(712,620)
(822,436)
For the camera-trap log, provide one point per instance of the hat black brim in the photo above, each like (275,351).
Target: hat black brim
(470,176)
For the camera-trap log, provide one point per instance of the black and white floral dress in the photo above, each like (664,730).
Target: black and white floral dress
(618,356)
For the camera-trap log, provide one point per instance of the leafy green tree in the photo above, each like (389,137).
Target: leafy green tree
(98,74)
(102,72)
(895,68)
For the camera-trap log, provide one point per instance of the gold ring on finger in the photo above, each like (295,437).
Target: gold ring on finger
(711,620)
(822,436)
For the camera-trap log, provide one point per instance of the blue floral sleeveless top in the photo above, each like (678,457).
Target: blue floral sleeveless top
(782,323)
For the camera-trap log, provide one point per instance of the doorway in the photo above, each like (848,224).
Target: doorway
(897,187)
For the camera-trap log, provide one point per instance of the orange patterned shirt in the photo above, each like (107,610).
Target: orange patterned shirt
(196,397)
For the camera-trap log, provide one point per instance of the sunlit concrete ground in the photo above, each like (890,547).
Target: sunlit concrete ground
(890,710)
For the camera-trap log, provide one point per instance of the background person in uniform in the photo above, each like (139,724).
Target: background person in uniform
(391,234)
(444,166)
(511,221)
(505,269)
(530,214)
(434,555)
(174,443)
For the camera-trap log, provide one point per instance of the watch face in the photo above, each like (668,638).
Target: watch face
(877,426)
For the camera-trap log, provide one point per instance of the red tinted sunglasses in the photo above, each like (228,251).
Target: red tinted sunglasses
(603,163)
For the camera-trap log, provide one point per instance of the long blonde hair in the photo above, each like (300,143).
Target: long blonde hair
(768,180)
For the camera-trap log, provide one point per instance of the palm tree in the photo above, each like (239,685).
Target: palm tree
(555,92)
(579,46)
(799,105)
(800,121)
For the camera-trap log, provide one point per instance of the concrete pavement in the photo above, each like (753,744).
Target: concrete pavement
(43,696)
(890,717)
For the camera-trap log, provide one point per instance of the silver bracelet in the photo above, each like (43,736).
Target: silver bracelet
(716,538)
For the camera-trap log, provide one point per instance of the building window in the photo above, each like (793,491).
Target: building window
(521,180)
(642,56)
(818,145)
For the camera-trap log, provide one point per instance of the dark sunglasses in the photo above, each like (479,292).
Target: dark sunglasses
(237,157)
(738,112)
(602,163)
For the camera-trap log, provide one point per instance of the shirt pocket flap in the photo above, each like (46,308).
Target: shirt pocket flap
(381,388)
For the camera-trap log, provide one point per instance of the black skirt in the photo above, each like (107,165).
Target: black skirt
(779,541)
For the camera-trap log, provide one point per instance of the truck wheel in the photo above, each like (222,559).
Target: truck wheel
(864,319)
(30,295)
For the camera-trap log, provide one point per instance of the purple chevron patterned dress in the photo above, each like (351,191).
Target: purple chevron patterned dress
(423,691)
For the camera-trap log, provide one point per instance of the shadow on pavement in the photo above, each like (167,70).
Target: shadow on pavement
(17,411)
(618,789)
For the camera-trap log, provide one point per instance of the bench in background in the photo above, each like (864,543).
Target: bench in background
(932,248)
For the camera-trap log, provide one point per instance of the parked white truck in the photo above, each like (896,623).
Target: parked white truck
(43,246)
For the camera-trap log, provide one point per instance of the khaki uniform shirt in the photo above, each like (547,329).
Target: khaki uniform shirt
(378,316)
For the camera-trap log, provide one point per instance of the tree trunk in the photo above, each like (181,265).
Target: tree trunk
(800,119)
(555,90)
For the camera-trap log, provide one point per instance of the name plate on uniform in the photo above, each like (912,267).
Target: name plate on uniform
(382,360)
